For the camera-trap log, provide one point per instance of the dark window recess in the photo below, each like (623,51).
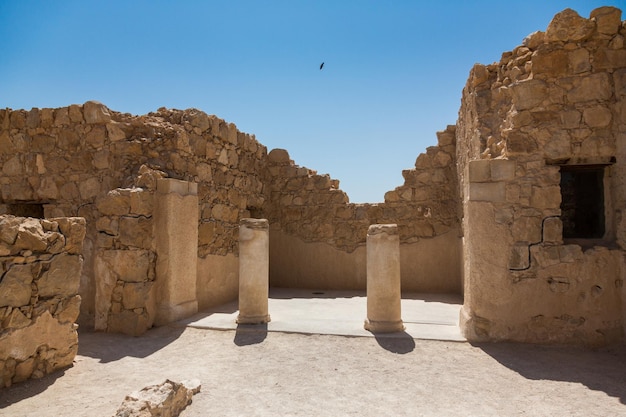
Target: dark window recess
(582,202)
(26,210)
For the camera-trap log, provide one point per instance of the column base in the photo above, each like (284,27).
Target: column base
(253,319)
(384,326)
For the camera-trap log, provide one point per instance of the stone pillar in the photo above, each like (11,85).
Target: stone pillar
(253,271)
(383,279)
(176,239)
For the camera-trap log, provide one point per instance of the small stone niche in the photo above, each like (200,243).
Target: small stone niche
(26,209)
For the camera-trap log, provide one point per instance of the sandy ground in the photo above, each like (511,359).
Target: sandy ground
(246,373)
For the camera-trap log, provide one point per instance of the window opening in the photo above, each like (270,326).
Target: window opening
(582,202)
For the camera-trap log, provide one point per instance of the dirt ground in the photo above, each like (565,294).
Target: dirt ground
(246,373)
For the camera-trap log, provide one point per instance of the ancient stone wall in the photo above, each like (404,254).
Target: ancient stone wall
(66,161)
(40,265)
(321,236)
(552,108)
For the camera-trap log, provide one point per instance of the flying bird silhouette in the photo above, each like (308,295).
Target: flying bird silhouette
(322,66)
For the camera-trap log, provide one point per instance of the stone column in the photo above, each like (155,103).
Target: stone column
(383,279)
(253,271)
(176,241)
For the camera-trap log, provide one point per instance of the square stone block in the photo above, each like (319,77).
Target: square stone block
(487,191)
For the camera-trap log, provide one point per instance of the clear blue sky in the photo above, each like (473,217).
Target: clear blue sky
(393,74)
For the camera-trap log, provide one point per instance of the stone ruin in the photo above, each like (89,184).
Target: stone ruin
(520,207)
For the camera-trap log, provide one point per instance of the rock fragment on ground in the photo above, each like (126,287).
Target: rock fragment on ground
(167,399)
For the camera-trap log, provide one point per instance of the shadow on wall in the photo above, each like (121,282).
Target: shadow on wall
(601,370)
(110,347)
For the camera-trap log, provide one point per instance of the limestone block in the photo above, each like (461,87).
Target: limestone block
(546,197)
(96,136)
(569,26)
(62,278)
(608,19)
(519,257)
(487,191)
(528,94)
(136,294)
(278,156)
(13,167)
(96,112)
(545,256)
(89,188)
(75,112)
(620,82)
(570,253)
(141,202)
(557,147)
(136,232)
(198,119)
(502,169)
(115,132)
(15,320)
(68,310)
(30,236)
(170,185)
(167,399)
(590,87)
(579,61)
(21,344)
(597,116)
(9,226)
(527,229)
(553,230)
(550,61)
(128,265)
(61,116)
(74,230)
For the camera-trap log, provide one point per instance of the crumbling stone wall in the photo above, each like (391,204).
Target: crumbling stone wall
(40,264)
(556,102)
(67,160)
(310,207)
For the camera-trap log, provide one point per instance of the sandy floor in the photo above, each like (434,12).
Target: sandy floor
(259,373)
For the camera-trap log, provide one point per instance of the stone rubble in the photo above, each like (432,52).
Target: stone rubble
(167,399)
(40,264)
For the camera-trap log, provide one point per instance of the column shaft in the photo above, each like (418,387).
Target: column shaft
(253,271)
(383,279)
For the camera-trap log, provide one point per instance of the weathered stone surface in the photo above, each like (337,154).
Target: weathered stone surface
(96,112)
(30,235)
(608,19)
(62,278)
(166,399)
(569,26)
(15,288)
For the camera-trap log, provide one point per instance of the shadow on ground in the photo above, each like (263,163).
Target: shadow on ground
(250,334)
(110,347)
(26,389)
(401,342)
(600,370)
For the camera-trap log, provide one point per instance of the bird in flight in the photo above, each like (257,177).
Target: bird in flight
(322,66)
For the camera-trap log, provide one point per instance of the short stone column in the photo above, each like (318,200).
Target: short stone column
(254,266)
(383,279)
